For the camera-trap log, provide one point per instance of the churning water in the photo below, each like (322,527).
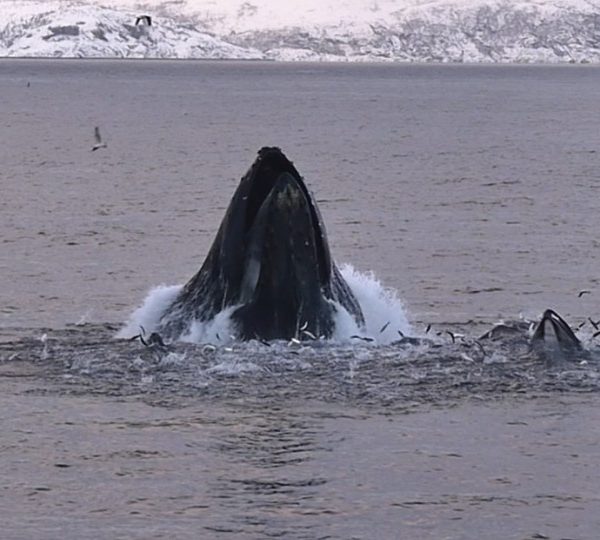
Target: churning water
(471,193)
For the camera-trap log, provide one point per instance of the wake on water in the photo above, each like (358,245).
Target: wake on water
(384,314)
(386,373)
(209,364)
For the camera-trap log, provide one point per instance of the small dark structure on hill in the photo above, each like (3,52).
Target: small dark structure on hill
(146,19)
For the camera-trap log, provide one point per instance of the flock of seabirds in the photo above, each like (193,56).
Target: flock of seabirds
(271,263)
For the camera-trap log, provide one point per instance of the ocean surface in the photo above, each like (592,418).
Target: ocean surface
(459,195)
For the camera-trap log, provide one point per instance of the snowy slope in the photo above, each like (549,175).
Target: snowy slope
(405,30)
(66,29)
(258,15)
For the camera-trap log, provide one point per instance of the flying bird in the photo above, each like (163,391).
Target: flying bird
(98,139)
(581,293)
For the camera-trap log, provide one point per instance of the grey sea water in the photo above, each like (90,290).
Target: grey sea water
(470,190)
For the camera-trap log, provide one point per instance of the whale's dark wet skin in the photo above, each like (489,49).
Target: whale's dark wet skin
(271,258)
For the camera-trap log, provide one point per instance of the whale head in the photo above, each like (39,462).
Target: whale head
(270,259)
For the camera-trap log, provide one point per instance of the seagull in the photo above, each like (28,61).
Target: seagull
(154,339)
(98,138)
(368,339)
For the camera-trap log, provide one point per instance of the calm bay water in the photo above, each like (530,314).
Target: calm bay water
(472,191)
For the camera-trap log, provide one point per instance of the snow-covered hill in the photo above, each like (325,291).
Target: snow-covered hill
(405,30)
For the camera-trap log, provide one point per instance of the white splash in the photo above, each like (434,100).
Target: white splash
(84,319)
(149,313)
(219,330)
(233,367)
(381,307)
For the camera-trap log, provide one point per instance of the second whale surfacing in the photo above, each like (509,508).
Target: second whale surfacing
(270,262)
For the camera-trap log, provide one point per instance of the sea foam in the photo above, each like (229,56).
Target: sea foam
(381,307)
(148,315)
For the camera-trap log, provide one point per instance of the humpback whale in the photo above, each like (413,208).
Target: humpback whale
(269,262)
(552,329)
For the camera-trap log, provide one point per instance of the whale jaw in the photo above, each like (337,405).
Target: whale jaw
(282,287)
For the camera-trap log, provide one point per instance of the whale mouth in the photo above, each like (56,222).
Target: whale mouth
(281,245)
(270,260)
(287,269)
(286,265)
(270,176)
(553,331)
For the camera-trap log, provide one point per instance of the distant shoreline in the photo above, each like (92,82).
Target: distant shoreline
(271,61)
